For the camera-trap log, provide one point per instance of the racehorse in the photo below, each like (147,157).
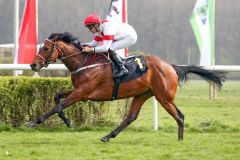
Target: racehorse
(92,80)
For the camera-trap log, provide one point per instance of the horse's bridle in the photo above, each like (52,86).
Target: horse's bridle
(47,61)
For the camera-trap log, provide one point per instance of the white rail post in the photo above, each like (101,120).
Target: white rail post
(212,91)
(16,30)
(155,114)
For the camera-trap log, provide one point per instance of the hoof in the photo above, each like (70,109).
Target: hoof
(105,139)
(68,123)
(31,124)
(35,122)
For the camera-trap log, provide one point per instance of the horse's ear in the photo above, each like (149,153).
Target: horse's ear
(53,35)
(57,37)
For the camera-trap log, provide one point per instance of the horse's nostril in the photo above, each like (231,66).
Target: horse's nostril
(32,65)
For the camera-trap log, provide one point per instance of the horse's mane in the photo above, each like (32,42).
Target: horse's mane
(66,37)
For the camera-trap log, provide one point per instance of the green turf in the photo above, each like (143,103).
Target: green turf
(212,132)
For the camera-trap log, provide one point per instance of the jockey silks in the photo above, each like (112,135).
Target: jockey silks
(113,35)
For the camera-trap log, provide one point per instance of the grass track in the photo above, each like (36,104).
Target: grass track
(212,131)
(129,145)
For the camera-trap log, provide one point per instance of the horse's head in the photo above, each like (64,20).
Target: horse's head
(51,50)
(46,54)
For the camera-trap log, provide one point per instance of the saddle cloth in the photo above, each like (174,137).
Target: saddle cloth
(136,66)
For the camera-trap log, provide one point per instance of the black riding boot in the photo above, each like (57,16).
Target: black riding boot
(118,62)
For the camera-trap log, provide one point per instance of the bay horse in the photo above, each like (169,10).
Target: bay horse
(92,80)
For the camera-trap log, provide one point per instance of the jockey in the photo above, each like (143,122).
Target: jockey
(109,36)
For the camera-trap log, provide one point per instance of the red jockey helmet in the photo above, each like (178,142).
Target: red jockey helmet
(92,19)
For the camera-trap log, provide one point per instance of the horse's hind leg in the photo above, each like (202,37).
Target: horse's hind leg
(180,122)
(61,114)
(135,107)
(171,108)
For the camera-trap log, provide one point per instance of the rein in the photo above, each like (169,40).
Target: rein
(86,65)
(94,58)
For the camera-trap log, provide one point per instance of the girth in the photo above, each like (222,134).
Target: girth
(136,66)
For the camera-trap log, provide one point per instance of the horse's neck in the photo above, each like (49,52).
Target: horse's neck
(73,62)
(74,59)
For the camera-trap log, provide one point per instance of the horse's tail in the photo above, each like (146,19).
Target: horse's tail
(211,76)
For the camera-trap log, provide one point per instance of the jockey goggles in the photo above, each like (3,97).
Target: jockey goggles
(90,26)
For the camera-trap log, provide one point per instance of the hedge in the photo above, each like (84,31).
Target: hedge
(25,98)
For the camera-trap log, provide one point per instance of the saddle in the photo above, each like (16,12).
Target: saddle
(136,66)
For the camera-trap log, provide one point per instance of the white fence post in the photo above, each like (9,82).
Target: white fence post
(155,114)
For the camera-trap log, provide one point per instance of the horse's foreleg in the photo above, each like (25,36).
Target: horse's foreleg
(42,118)
(71,99)
(66,121)
(61,94)
(135,107)
(57,98)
